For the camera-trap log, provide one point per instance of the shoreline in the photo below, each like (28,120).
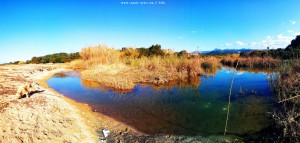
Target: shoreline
(49,116)
(64,119)
(45,116)
(92,118)
(140,136)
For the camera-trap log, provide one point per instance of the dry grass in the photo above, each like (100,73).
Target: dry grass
(77,64)
(21,63)
(287,114)
(110,76)
(251,62)
(122,69)
(99,55)
(130,53)
(211,64)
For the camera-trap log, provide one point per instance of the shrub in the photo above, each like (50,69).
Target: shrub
(21,63)
(54,58)
(129,53)
(183,53)
(206,66)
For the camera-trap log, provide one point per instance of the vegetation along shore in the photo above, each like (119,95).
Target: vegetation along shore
(122,70)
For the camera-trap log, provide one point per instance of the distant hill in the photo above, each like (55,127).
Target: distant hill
(222,52)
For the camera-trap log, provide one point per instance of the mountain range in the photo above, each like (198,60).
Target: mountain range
(222,51)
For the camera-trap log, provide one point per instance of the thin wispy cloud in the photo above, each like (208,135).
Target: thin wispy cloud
(228,44)
(197,31)
(253,44)
(280,36)
(180,37)
(293,22)
(239,43)
(293,33)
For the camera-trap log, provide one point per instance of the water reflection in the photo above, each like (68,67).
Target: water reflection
(181,108)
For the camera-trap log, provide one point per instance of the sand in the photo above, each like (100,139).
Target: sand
(45,116)
(48,116)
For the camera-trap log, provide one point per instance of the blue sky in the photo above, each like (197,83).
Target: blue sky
(39,27)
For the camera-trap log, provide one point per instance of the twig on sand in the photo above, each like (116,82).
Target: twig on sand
(228,108)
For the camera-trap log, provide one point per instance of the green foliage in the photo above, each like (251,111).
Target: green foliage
(154,50)
(183,53)
(55,58)
(15,62)
(295,44)
(143,52)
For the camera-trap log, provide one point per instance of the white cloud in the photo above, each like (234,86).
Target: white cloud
(280,36)
(194,31)
(228,44)
(279,41)
(180,37)
(253,44)
(272,41)
(296,33)
(293,33)
(239,43)
(293,22)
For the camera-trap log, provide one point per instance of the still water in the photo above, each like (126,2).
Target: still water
(198,108)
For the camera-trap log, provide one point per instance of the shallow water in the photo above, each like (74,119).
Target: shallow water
(196,109)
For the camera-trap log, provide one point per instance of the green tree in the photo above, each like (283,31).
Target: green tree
(183,53)
(156,50)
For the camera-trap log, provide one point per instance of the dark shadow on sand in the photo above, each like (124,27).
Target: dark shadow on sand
(31,93)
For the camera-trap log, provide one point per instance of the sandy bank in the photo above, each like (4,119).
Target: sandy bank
(45,116)
(48,116)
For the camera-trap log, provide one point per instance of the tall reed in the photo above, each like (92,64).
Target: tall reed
(286,114)
(100,54)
